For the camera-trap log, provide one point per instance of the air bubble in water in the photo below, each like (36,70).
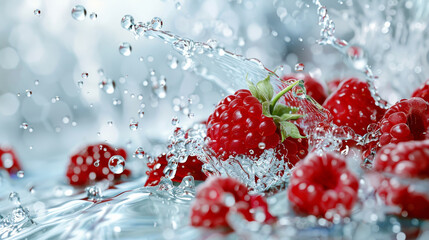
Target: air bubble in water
(125,49)
(97,163)
(37,12)
(24,125)
(110,123)
(79,13)
(28,93)
(117,164)
(139,153)
(93,16)
(299,67)
(156,23)
(134,125)
(100,72)
(80,84)
(261,145)
(84,75)
(108,85)
(36,82)
(127,22)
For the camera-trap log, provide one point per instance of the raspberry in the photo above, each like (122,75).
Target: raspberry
(92,164)
(8,160)
(323,186)
(407,120)
(313,87)
(217,197)
(352,105)
(394,192)
(405,159)
(422,91)
(396,162)
(192,167)
(240,125)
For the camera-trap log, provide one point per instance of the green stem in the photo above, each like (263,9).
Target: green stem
(280,94)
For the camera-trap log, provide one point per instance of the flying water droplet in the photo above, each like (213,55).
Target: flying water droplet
(125,49)
(156,23)
(93,193)
(84,75)
(127,22)
(299,67)
(261,145)
(141,113)
(97,163)
(175,121)
(108,86)
(37,12)
(79,13)
(117,164)
(14,198)
(66,119)
(139,153)
(93,16)
(24,125)
(36,82)
(80,84)
(134,125)
(178,6)
(28,93)
(20,174)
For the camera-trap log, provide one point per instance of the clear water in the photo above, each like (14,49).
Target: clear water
(142,101)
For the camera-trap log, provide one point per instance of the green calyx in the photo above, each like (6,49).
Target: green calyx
(281,114)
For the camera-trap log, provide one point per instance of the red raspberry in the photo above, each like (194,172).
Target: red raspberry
(92,164)
(8,160)
(239,125)
(323,186)
(422,91)
(405,159)
(192,167)
(394,192)
(217,197)
(407,120)
(352,105)
(313,87)
(333,85)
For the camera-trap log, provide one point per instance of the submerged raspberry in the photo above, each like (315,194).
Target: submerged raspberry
(323,186)
(92,164)
(405,160)
(192,167)
(394,192)
(218,197)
